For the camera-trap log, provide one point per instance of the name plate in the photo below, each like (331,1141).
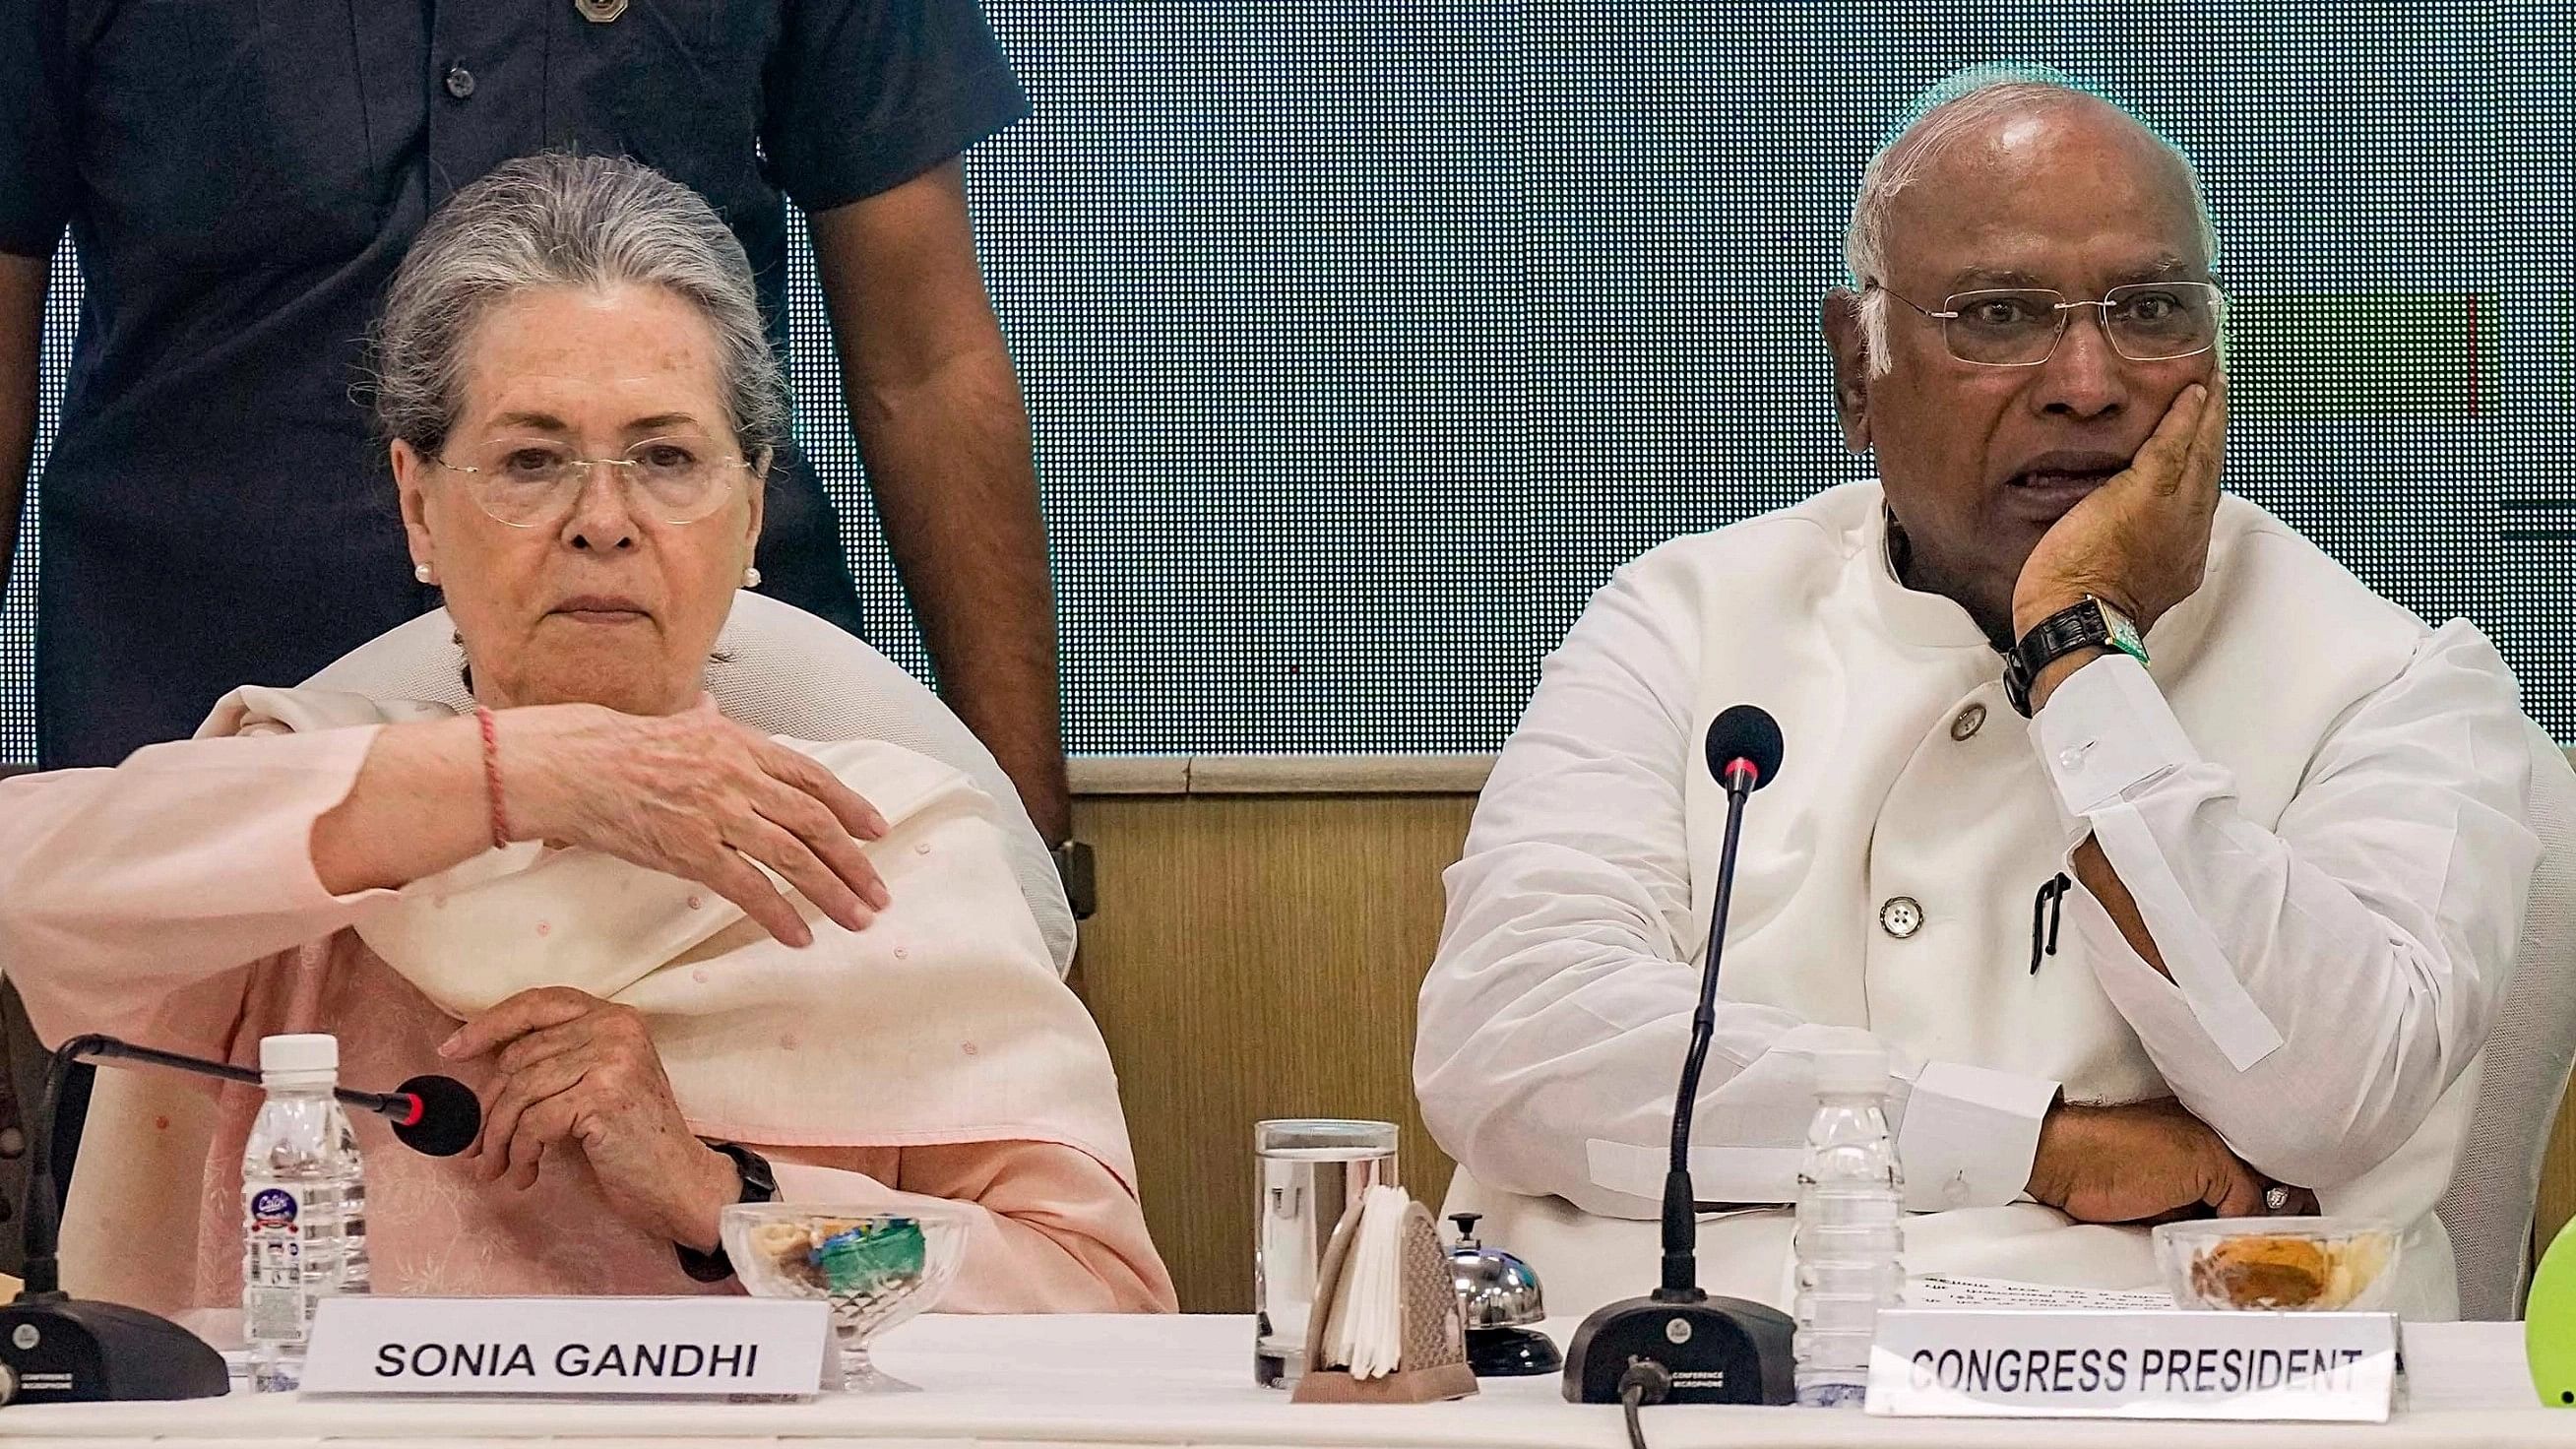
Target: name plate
(1988,1363)
(606,1347)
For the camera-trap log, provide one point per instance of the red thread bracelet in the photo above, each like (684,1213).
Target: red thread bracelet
(492,778)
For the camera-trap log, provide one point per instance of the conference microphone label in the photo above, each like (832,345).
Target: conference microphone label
(606,1347)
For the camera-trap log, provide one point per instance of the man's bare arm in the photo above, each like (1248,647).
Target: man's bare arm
(939,417)
(22,325)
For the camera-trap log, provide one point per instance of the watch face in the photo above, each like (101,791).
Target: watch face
(2116,626)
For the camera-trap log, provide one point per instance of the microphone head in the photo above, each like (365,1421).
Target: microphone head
(449,1119)
(1744,732)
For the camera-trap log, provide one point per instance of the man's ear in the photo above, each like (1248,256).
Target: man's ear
(1844,336)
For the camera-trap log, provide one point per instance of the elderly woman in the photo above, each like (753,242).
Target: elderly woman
(680,962)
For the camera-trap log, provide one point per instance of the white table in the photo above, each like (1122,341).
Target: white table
(1188,1381)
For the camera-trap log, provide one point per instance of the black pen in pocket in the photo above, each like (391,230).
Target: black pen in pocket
(2045,908)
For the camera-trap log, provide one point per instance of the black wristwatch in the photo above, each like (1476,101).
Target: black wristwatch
(2091,624)
(759,1184)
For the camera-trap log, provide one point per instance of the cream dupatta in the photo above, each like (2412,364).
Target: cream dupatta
(943,1021)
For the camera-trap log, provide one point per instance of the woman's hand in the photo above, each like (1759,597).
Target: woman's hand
(576,1071)
(697,796)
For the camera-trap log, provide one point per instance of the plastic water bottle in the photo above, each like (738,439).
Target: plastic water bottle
(1851,1194)
(304,1207)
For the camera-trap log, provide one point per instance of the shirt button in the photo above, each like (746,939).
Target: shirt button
(460,82)
(1901,916)
(1968,721)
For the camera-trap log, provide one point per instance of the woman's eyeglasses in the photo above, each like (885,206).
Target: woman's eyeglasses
(532,482)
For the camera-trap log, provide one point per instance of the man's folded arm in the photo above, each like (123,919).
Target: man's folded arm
(2312,989)
(1554,1019)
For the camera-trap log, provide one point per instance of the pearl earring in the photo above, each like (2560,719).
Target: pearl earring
(751,578)
(422,572)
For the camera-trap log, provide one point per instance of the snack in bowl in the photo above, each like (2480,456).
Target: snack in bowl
(842,1256)
(875,1269)
(2313,1265)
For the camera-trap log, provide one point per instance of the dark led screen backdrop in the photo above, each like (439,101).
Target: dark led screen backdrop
(1364,339)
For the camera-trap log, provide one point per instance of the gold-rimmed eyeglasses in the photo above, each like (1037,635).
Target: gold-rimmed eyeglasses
(532,482)
(2021,326)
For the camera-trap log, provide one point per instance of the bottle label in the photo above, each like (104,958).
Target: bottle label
(276,1306)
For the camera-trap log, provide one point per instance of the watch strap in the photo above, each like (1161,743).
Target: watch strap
(2077,626)
(759,1184)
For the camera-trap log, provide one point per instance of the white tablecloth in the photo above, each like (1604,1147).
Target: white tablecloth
(1188,1381)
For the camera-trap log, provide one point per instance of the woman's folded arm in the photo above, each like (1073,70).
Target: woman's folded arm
(125,893)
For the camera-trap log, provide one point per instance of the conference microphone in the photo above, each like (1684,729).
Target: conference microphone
(1677,1344)
(432,1115)
(56,1349)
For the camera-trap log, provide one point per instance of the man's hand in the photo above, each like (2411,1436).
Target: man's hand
(576,1072)
(2148,1162)
(2141,541)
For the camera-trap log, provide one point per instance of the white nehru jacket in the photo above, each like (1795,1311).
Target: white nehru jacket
(2316,801)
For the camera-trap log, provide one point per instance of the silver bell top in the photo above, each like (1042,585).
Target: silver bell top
(1495,1289)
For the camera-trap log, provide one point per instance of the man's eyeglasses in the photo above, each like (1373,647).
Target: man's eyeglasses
(2020,326)
(532,482)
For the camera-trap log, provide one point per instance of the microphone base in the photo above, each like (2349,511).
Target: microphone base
(70,1351)
(1718,1351)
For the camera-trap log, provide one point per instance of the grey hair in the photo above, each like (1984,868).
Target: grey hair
(1953,106)
(558,220)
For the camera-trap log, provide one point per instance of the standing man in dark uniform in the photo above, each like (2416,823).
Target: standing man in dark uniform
(240,178)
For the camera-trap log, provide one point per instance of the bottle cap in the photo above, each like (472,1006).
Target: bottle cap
(1852,1067)
(313,1054)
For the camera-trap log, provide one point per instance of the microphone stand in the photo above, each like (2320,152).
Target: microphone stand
(58,1349)
(1678,1344)
(42,1230)
(1681,1228)
(404,1106)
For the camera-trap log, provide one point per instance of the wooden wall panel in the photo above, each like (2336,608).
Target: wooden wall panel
(2557,1176)
(1258,956)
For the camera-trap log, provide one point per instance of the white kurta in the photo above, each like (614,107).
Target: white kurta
(2316,801)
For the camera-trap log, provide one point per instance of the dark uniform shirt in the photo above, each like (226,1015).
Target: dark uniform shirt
(241,177)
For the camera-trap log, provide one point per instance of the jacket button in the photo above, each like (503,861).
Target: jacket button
(1964,726)
(1900,916)
(460,82)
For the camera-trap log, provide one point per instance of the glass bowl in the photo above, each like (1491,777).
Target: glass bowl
(876,1267)
(2296,1265)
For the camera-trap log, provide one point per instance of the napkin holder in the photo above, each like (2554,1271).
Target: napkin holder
(1433,1362)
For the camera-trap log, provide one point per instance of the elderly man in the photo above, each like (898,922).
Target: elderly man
(2280,818)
